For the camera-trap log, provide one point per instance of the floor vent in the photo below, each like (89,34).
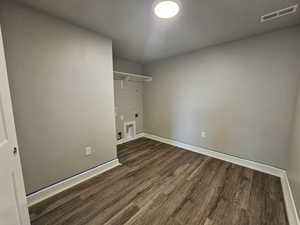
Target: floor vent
(279,13)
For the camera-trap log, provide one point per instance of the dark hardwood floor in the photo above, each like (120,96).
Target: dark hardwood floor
(159,184)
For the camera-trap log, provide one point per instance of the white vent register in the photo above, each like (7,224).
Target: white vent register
(279,13)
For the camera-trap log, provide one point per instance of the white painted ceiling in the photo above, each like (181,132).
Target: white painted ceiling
(139,36)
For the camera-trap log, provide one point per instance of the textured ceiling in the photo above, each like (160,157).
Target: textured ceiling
(139,36)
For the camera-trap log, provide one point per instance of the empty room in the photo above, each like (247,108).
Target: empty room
(149,112)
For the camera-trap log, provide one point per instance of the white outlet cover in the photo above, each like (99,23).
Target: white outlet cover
(203,134)
(88,150)
(122,117)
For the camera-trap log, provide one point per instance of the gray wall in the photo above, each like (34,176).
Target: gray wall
(129,99)
(242,94)
(62,88)
(127,66)
(293,169)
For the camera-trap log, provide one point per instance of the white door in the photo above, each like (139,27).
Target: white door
(13,205)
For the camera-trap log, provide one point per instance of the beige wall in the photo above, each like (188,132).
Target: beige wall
(129,98)
(62,88)
(293,169)
(242,94)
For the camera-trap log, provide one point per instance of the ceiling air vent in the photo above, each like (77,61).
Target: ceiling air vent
(279,13)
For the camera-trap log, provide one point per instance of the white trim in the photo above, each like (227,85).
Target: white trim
(291,210)
(290,205)
(124,140)
(68,183)
(287,193)
(228,158)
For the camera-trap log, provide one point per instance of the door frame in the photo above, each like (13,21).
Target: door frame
(20,193)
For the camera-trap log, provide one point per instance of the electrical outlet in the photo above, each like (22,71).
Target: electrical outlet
(88,150)
(119,136)
(203,134)
(122,117)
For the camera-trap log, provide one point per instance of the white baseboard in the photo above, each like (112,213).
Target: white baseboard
(228,158)
(287,192)
(124,140)
(45,193)
(290,205)
(292,213)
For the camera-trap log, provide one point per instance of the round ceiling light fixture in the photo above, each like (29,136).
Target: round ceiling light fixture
(166,9)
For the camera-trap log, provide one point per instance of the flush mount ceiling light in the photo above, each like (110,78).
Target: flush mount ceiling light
(166,9)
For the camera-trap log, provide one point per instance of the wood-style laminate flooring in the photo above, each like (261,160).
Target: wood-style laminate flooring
(159,184)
